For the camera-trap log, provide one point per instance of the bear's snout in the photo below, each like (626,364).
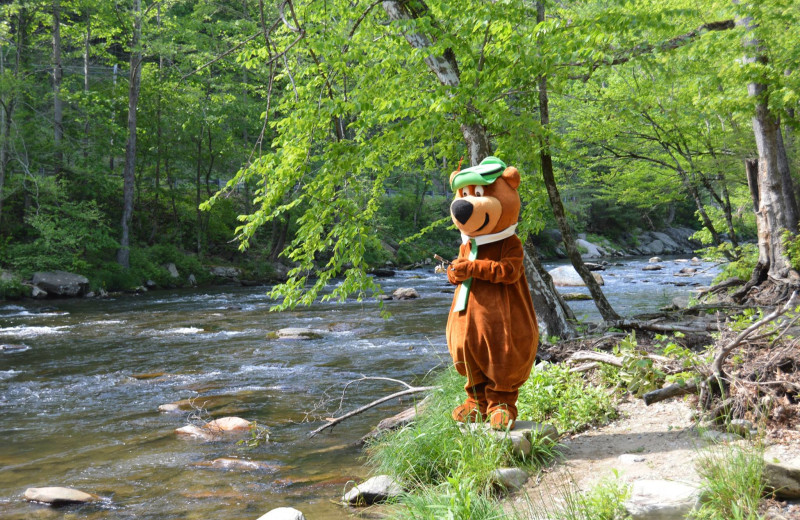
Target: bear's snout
(461,210)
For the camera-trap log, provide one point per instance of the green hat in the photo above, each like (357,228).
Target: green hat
(485,173)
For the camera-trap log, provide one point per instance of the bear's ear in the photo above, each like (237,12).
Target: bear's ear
(453,175)
(511,176)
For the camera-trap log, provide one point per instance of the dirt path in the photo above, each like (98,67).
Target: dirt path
(655,442)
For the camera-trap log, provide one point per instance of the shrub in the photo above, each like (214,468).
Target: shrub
(564,399)
(732,483)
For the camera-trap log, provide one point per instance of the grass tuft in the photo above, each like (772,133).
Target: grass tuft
(732,483)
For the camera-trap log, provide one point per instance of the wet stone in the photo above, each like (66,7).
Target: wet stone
(283,513)
(405,293)
(377,489)
(298,333)
(56,496)
(233,463)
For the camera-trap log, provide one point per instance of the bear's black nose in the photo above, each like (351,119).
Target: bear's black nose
(461,210)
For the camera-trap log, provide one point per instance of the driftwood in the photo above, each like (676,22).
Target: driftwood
(410,390)
(713,376)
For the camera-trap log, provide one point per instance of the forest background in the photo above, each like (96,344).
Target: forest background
(321,133)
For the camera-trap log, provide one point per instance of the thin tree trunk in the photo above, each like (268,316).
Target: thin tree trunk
(5,134)
(445,67)
(129,174)
(58,115)
(197,200)
(787,185)
(606,311)
(86,50)
(554,315)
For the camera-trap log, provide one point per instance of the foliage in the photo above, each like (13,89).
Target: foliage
(11,287)
(554,394)
(746,257)
(732,483)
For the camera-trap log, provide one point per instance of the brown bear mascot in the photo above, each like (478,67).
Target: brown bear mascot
(492,332)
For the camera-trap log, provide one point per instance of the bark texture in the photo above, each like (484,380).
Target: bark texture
(555,316)
(606,311)
(129,174)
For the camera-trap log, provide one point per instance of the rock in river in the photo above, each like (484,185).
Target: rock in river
(376,489)
(567,276)
(405,293)
(283,513)
(297,333)
(56,496)
(61,283)
(212,430)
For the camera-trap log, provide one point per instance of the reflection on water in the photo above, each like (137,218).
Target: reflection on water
(79,407)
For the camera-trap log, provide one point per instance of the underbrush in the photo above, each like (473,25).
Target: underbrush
(732,483)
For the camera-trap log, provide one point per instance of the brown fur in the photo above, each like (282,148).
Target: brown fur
(493,341)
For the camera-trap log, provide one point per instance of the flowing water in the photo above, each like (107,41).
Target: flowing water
(79,396)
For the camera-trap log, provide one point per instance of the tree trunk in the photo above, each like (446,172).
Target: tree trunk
(554,315)
(5,134)
(787,185)
(58,110)
(86,49)
(197,199)
(600,301)
(773,213)
(445,67)
(129,174)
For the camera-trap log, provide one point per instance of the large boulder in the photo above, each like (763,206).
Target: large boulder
(782,471)
(661,500)
(592,251)
(61,283)
(567,276)
(224,272)
(56,496)
(377,489)
(405,293)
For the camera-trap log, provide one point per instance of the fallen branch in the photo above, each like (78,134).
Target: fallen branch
(410,390)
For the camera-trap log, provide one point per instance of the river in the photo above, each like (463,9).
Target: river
(79,407)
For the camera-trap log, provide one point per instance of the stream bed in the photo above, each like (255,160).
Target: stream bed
(79,407)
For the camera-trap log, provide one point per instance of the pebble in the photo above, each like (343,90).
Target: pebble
(630,458)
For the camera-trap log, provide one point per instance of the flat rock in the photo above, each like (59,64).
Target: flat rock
(405,293)
(228,424)
(196,432)
(575,296)
(782,471)
(10,348)
(661,500)
(61,283)
(283,513)
(519,442)
(38,293)
(567,276)
(653,267)
(509,479)
(376,489)
(298,333)
(654,260)
(233,463)
(59,496)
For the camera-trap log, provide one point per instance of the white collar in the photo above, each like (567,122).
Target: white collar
(488,239)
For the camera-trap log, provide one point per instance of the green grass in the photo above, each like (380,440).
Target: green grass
(732,483)
(447,469)
(603,502)
(564,399)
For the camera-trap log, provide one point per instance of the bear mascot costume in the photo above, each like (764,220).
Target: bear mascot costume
(492,332)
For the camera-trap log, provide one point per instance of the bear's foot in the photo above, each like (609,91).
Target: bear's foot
(468,411)
(501,419)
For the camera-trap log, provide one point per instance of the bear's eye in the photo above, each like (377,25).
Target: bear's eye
(465,191)
(479,191)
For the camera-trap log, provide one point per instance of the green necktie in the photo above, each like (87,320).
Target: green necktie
(463,289)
